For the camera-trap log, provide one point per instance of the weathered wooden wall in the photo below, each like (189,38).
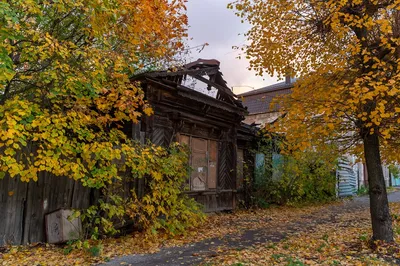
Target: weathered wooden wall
(214,201)
(189,113)
(23,206)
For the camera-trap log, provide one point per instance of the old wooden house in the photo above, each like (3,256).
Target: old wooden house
(192,105)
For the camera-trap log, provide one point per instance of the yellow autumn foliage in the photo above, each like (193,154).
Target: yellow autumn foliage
(65,92)
(347,55)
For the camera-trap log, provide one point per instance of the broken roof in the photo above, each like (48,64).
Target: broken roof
(204,70)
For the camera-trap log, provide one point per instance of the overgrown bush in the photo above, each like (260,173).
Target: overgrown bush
(162,208)
(298,177)
(394,170)
(363,190)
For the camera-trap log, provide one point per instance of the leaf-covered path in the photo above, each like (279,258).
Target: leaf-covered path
(268,231)
(330,234)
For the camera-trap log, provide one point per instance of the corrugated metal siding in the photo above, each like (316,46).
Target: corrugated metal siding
(347,179)
(395,181)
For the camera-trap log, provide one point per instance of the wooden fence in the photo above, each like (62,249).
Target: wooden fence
(23,206)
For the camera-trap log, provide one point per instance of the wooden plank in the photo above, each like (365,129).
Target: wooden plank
(184,139)
(240,169)
(198,96)
(48,194)
(157,136)
(38,205)
(199,164)
(223,165)
(234,161)
(142,137)
(168,136)
(199,145)
(80,196)
(24,205)
(212,164)
(136,130)
(199,172)
(12,199)
(225,201)
(226,92)
(226,164)
(203,71)
(192,111)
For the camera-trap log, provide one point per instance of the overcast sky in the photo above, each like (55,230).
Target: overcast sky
(211,22)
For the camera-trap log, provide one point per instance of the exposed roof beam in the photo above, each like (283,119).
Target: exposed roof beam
(223,89)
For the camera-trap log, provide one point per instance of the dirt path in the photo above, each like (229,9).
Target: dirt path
(195,253)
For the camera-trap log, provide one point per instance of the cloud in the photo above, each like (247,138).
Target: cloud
(211,22)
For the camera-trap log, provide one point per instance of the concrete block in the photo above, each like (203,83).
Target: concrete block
(60,228)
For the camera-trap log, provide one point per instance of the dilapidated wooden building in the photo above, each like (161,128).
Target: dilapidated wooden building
(192,105)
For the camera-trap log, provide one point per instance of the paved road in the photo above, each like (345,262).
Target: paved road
(195,253)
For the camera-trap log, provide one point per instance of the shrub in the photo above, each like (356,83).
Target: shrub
(298,177)
(162,208)
(363,190)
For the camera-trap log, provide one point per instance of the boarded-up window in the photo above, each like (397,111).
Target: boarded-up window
(212,163)
(199,164)
(203,161)
(183,139)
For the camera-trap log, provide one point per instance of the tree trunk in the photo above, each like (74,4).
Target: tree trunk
(379,205)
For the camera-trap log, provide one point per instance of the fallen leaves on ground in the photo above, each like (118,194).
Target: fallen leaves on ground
(323,234)
(216,226)
(344,240)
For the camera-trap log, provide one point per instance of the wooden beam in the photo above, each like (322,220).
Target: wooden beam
(226,91)
(203,71)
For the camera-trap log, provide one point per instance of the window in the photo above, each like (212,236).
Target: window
(203,161)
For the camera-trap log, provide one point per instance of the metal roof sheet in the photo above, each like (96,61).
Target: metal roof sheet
(259,101)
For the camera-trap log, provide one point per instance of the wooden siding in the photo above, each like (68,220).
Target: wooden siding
(24,205)
(226,167)
(212,164)
(214,201)
(240,169)
(199,173)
